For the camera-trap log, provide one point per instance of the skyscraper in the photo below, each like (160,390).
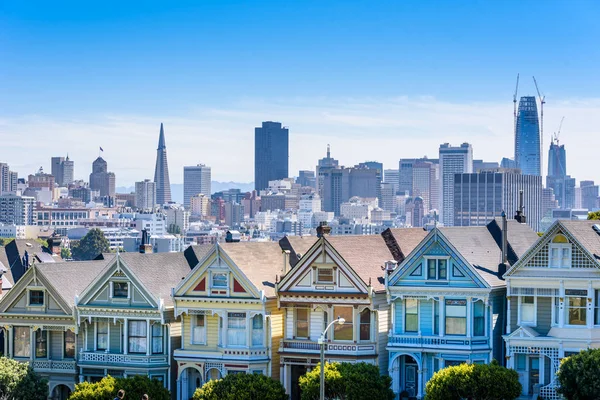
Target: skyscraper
(589,195)
(68,172)
(557,178)
(271,154)
(426,184)
(196,180)
(322,165)
(102,180)
(527,137)
(56,169)
(161,172)
(145,194)
(453,160)
(392,176)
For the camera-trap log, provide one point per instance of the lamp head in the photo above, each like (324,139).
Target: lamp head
(341,320)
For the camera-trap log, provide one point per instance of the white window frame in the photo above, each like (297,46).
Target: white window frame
(555,312)
(262,330)
(437,268)
(112,290)
(212,277)
(193,321)
(404,314)
(584,307)
(308,312)
(560,247)
(36,289)
(519,319)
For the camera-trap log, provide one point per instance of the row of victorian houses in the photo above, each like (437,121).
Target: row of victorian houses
(413,301)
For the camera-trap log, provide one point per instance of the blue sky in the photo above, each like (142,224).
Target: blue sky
(345,72)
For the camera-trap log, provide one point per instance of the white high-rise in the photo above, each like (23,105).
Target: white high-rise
(196,180)
(453,160)
(145,194)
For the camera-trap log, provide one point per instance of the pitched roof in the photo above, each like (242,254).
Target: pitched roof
(12,253)
(158,272)
(261,262)
(69,279)
(583,231)
(408,239)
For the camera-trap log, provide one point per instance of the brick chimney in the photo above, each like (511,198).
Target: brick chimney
(145,246)
(323,229)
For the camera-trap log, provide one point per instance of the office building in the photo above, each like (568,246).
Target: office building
(271,154)
(8,179)
(178,219)
(234,214)
(478,165)
(480,197)
(63,170)
(453,160)
(426,184)
(145,194)
(101,180)
(507,163)
(388,197)
(56,168)
(200,205)
(339,184)
(16,210)
(377,166)
(392,176)
(557,179)
(527,137)
(41,180)
(161,171)
(307,178)
(589,195)
(549,202)
(323,164)
(196,180)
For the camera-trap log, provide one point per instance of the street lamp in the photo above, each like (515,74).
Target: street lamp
(321,342)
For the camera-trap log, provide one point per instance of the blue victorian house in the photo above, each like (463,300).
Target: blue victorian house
(448,299)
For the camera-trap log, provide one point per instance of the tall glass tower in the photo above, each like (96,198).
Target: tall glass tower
(527,137)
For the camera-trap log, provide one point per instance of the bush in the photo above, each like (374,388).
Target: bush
(474,381)
(242,387)
(347,381)
(134,387)
(18,381)
(578,375)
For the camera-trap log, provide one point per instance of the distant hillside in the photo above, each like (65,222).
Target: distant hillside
(177,188)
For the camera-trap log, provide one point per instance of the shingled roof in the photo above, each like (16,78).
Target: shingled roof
(583,231)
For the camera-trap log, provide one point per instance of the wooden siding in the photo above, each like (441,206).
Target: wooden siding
(426,317)
(55,340)
(544,315)
(399,317)
(498,299)
(276,336)
(115,337)
(383,326)
(289,323)
(316,324)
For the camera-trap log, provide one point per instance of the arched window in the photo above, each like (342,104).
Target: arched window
(365,325)
(559,252)
(257,330)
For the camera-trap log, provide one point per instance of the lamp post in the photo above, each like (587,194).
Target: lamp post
(321,342)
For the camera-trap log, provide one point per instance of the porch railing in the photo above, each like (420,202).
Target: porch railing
(108,358)
(341,348)
(437,341)
(54,365)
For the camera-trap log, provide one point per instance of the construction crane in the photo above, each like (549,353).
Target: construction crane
(542,102)
(515,105)
(557,133)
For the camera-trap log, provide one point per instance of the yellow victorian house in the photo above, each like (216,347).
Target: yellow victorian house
(227,305)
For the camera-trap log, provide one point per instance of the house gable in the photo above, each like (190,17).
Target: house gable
(322,269)
(558,250)
(435,248)
(117,287)
(216,275)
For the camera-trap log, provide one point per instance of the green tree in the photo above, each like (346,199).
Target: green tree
(90,246)
(242,387)
(474,381)
(42,242)
(65,253)
(5,241)
(347,381)
(594,215)
(578,375)
(18,381)
(135,387)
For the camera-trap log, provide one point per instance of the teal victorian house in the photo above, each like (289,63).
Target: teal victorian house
(448,299)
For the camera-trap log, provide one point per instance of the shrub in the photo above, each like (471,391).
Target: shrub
(578,375)
(134,386)
(242,387)
(18,381)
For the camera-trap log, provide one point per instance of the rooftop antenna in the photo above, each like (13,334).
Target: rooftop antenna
(328,150)
(542,102)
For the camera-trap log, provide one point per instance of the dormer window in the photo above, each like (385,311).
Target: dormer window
(36,297)
(559,252)
(437,268)
(120,290)
(219,280)
(324,275)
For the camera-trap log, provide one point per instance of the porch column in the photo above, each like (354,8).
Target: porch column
(393,311)
(249,330)
(421,385)
(590,306)
(561,305)
(507,314)
(148,337)
(225,322)
(469,317)
(542,370)
(108,335)
(394,374)
(486,317)
(355,324)
(125,336)
(442,316)
(10,337)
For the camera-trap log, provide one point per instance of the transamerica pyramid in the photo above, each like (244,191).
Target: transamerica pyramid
(161,173)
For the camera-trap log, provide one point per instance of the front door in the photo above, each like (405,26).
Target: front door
(297,372)
(534,372)
(410,379)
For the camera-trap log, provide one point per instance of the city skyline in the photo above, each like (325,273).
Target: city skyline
(443,85)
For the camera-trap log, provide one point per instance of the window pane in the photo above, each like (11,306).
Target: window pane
(456,317)
(69,344)
(577,310)
(324,274)
(442,269)
(157,339)
(431,269)
(236,329)
(436,318)
(412,315)
(199,329)
(478,318)
(257,330)
(365,325)
(102,335)
(220,280)
(302,322)
(138,341)
(36,298)
(21,341)
(345,331)
(120,289)
(41,344)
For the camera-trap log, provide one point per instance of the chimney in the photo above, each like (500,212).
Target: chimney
(520,217)
(502,267)
(286,260)
(323,229)
(145,246)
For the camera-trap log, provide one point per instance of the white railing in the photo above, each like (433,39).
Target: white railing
(437,341)
(107,358)
(53,365)
(330,347)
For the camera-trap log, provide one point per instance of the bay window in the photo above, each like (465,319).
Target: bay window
(346,330)
(138,337)
(257,330)
(69,344)
(157,339)
(411,319)
(577,310)
(478,318)
(21,341)
(101,335)
(365,325)
(236,329)
(41,344)
(527,309)
(456,317)
(302,315)
(199,329)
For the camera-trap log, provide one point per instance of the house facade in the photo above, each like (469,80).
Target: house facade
(553,304)
(447,302)
(331,277)
(229,317)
